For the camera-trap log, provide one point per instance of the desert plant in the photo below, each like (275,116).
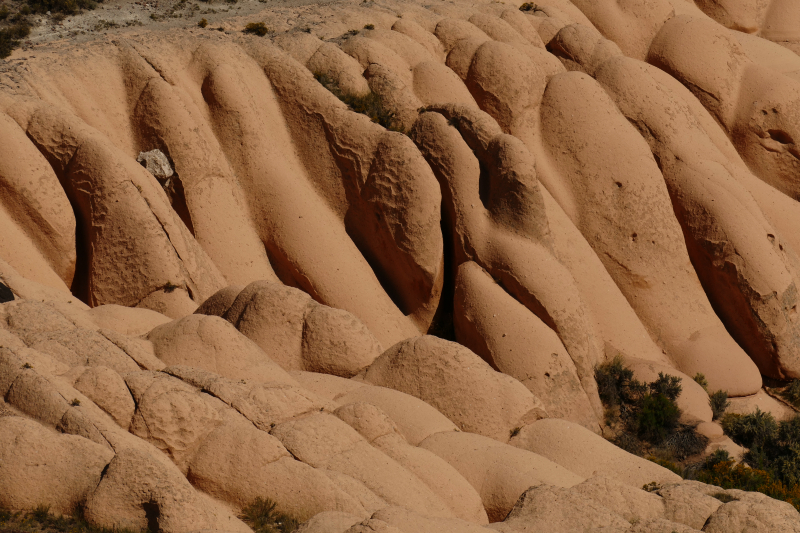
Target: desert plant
(369,26)
(27,366)
(719,403)
(615,383)
(657,418)
(529,6)
(203,23)
(256,28)
(169,287)
(754,430)
(629,442)
(263,517)
(370,104)
(75,402)
(701,380)
(11,36)
(666,385)
(4,12)
(669,465)
(68,7)
(685,442)
(792,393)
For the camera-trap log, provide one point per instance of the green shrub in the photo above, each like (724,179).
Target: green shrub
(792,393)
(11,36)
(68,7)
(616,385)
(527,6)
(685,442)
(369,26)
(203,23)
(657,418)
(719,403)
(665,385)
(370,104)
(263,517)
(40,519)
(4,12)
(669,465)
(257,28)
(629,442)
(753,430)
(701,380)
(729,476)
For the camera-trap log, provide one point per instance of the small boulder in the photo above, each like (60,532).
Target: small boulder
(156,163)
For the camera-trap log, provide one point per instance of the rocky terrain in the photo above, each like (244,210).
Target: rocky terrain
(366,262)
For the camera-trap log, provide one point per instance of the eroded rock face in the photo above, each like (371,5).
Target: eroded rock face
(391,322)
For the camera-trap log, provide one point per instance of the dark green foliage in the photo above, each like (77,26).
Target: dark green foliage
(669,465)
(40,520)
(701,380)
(4,12)
(263,517)
(724,497)
(667,386)
(370,104)
(753,430)
(257,28)
(719,403)
(616,385)
(630,443)
(792,393)
(685,442)
(658,417)
(169,287)
(68,7)
(11,36)
(203,23)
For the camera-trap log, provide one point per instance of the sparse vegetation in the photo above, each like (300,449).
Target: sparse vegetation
(701,380)
(370,104)
(257,28)
(263,517)
(11,36)
(68,7)
(369,26)
(75,402)
(643,418)
(515,432)
(529,6)
(27,366)
(719,403)
(203,23)
(169,287)
(105,25)
(351,32)
(41,520)
(792,393)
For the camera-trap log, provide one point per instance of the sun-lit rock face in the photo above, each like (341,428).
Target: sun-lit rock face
(369,274)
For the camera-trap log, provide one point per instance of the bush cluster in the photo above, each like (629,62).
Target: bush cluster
(792,393)
(370,104)
(773,446)
(11,36)
(41,519)
(257,28)
(263,516)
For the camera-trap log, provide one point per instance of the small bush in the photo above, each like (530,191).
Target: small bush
(68,7)
(753,430)
(528,6)
(203,23)
(719,403)
(630,443)
(514,432)
(369,26)
(4,12)
(792,393)
(256,28)
(669,465)
(27,366)
(651,487)
(685,442)
(75,402)
(351,32)
(657,418)
(701,380)
(616,385)
(263,517)
(11,36)
(169,287)
(665,385)
(370,104)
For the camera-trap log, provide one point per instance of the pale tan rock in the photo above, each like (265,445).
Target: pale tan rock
(336,342)
(415,419)
(213,344)
(325,385)
(218,303)
(763,401)
(634,505)
(499,473)
(379,430)
(455,373)
(237,463)
(41,467)
(584,453)
(559,510)
(687,506)
(329,522)
(756,513)
(410,522)
(107,389)
(125,320)
(324,441)
(137,492)
(373,526)
(357,490)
